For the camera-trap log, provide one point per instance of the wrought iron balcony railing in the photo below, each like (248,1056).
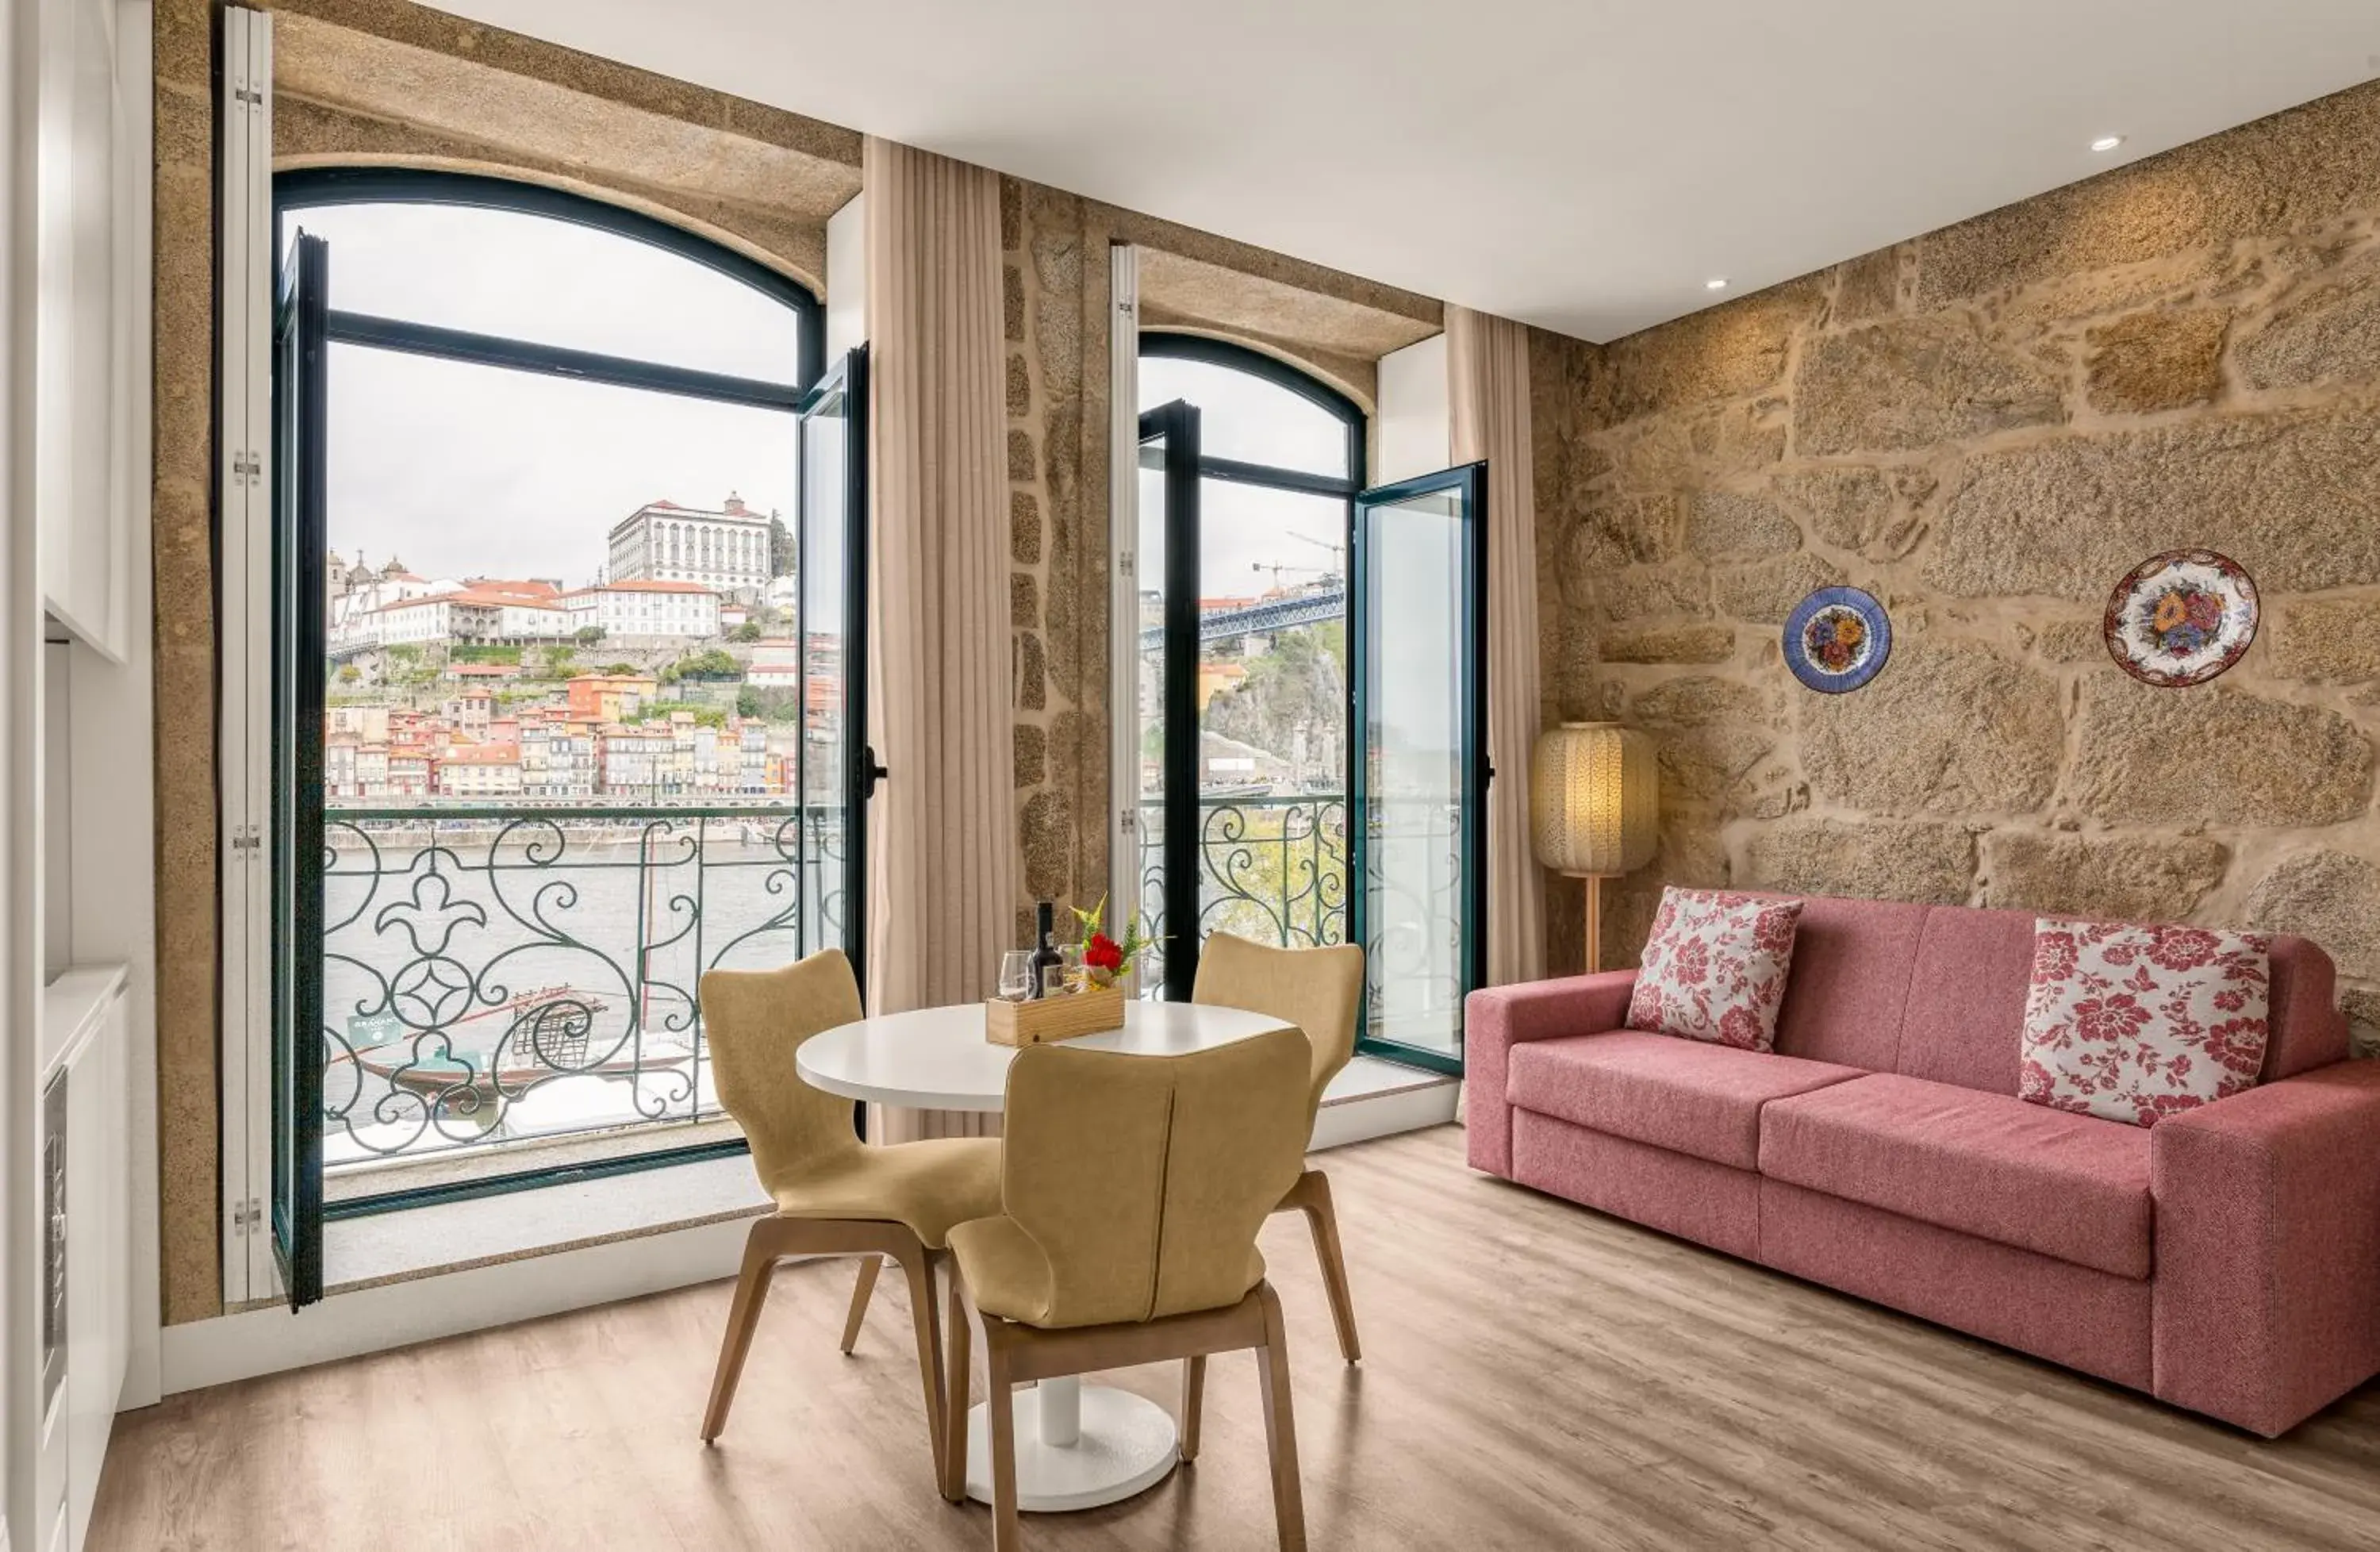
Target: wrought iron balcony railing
(1271,868)
(497,974)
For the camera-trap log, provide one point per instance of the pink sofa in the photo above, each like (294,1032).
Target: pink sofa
(2226,1260)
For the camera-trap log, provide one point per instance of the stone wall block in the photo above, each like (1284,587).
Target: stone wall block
(1710,734)
(1950,728)
(1729,524)
(1021,468)
(1882,859)
(1628,593)
(2166,359)
(1676,644)
(1024,527)
(2331,334)
(1766,591)
(2212,756)
(2068,518)
(1914,383)
(2153,879)
(2330,896)
(1030,749)
(1737,348)
(2323,639)
(1046,835)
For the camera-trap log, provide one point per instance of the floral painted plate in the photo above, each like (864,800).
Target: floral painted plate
(1837,639)
(2181,618)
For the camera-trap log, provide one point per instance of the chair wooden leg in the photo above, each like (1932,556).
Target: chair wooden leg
(869,1266)
(1312,1194)
(1000,1402)
(1194,1394)
(957,1397)
(924,1317)
(742,1317)
(1281,1426)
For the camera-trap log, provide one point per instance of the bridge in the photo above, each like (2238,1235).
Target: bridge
(1261,619)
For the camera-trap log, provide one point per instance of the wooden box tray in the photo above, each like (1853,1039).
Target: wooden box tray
(1062,1017)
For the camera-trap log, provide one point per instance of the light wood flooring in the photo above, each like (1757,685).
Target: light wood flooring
(1534,1375)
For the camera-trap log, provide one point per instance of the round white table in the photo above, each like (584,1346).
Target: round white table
(1077,1445)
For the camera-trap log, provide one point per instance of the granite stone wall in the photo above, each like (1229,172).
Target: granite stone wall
(1986,427)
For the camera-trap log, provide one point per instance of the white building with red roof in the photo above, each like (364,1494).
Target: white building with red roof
(680,610)
(726,549)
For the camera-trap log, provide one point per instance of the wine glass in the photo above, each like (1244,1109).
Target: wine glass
(1016,975)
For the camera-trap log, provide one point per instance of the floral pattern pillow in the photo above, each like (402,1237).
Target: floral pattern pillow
(2135,1023)
(1715,968)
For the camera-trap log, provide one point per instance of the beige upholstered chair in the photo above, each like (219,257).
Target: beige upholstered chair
(1318,990)
(1132,1190)
(834,1194)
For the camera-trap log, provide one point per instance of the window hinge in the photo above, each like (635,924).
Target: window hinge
(1128,820)
(1127,563)
(247,839)
(246,1217)
(248,467)
(1127,306)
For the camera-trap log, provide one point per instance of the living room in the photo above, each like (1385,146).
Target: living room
(761,758)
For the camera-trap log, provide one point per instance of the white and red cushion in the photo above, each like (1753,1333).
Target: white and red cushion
(2135,1023)
(1714,968)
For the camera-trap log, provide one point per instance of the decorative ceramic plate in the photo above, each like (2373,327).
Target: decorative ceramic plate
(2181,618)
(1837,639)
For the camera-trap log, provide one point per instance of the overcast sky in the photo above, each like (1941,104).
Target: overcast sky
(464,470)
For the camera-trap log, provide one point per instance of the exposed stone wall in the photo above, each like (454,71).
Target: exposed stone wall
(1057,290)
(1986,427)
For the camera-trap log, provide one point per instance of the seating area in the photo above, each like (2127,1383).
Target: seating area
(1062,776)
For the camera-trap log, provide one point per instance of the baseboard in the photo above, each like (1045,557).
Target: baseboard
(270,1341)
(1428,1103)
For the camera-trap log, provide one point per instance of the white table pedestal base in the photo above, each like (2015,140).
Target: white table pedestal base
(1077,1447)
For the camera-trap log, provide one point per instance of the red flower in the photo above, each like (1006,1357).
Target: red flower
(1690,963)
(2117,1018)
(2053,957)
(1739,1027)
(1102,953)
(2185,948)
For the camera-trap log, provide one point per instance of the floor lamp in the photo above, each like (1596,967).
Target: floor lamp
(1593,810)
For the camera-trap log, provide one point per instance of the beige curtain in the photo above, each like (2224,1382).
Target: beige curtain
(943,833)
(1488,383)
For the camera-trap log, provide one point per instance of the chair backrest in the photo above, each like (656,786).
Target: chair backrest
(753,1022)
(1143,1179)
(1317,990)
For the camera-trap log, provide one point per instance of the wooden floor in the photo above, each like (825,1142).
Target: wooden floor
(1535,1376)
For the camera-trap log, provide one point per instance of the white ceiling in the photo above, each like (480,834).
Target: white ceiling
(1583,165)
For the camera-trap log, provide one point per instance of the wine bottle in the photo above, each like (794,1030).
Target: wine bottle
(1045,960)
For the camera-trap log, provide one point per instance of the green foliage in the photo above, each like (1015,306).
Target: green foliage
(588,635)
(781,547)
(468,653)
(405,652)
(618,668)
(748,631)
(748,702)
(712,663)
(349,674)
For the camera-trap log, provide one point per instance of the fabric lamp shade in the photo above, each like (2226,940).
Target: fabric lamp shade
(1594,799)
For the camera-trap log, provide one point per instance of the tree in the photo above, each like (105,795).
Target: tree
(781,547)
(748,702)
(618,668)
(713,664)
(349,674)
(747,632)
(588,635)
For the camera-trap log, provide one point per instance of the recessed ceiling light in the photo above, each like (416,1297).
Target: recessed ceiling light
(1716,283)
(2106,142)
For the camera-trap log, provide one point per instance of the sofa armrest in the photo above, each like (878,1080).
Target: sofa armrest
(1496,1018)
(2267,1283)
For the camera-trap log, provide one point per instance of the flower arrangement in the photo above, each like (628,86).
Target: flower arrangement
(1104,958)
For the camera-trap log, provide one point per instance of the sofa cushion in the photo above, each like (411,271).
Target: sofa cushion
(2069,1186)
(1681,1095)
(1853,960)
(2135,1023)
(1714,968)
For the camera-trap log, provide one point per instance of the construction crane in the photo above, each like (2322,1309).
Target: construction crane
(1277,570)
(1336,567)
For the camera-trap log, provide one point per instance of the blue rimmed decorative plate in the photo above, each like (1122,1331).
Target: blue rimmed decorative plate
(1837,639)
(2181,618)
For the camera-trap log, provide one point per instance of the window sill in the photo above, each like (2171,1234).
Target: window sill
(486,1231)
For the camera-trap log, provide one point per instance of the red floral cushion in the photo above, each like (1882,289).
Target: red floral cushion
(1715,968)
(2136,1023)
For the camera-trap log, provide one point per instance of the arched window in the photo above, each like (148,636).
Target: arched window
(1249,472)
(511,386)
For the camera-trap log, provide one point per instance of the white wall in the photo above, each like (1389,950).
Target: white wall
(1415,423)
(846,278)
